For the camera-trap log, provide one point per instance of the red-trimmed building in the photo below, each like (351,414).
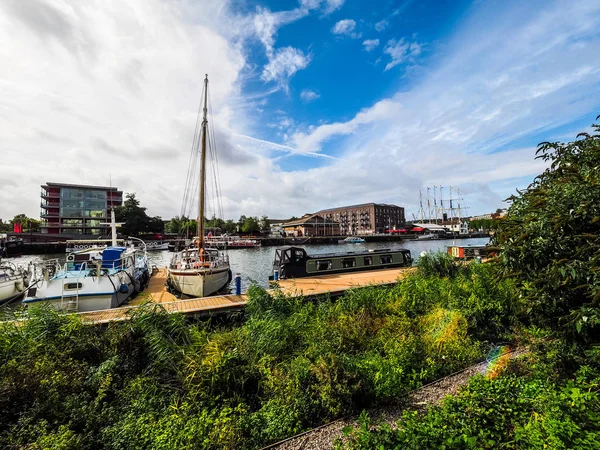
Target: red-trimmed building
(76,208)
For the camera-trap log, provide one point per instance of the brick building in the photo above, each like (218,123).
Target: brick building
(367,218)
(77,209)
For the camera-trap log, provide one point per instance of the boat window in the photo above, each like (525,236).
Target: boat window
(72,286)
(386,259)
(324,264)
(299,255)
(348,262)
(368,260)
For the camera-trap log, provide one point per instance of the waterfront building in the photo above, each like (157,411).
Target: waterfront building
(366,218)
(311,225)
(77,209)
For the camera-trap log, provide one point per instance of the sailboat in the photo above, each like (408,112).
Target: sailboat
(200,271)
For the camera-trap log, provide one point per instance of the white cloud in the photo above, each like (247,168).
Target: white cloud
(381,25)
(97,86)
(308,95)
(346,27)
(284,64)
(328,6)
(401,51)
(370,44)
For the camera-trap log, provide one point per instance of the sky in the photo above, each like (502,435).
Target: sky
(314,103)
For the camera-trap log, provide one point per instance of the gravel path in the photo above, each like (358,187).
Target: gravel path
(322,437)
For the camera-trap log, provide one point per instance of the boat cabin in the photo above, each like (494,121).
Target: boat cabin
(294,262)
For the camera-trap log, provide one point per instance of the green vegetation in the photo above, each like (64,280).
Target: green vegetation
(550,248)
(290,364)
(135,219)
(28,224)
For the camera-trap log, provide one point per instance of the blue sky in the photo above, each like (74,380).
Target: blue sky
(316,103)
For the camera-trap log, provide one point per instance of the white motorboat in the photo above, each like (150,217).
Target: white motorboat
(200,271)
(91,279)
(13,282)
(352,240)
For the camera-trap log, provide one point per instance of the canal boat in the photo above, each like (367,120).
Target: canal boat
(200,271)
(294,262)
(91,279)
(13,282)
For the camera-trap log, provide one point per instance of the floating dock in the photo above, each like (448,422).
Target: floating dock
(156,292)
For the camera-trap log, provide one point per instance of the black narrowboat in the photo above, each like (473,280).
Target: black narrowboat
(294,262)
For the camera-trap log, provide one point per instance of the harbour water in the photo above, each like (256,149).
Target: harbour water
(256,264)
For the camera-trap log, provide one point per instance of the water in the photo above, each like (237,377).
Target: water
(256,264)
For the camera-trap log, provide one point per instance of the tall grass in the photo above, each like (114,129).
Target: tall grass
(160,381)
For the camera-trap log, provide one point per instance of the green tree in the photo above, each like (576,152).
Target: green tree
(265,226)
(135,219)
(550,238)
(251,225)
(29,224)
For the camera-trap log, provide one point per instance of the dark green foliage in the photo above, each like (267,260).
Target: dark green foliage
(135,219)
(158,381)
(550,238)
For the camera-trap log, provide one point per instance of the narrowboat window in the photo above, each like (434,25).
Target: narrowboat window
(368,260)
(324,264)
(348,262)
(72,286)
(386,259)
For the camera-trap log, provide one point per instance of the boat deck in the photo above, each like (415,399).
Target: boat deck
(309,286)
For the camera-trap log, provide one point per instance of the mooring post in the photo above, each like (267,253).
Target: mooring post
(238,284)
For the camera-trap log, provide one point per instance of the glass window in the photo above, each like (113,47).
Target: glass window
(324,264)
(368,260)
(348,262)
(71,193)
(386,259)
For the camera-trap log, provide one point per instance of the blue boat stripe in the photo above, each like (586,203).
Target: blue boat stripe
(66,297)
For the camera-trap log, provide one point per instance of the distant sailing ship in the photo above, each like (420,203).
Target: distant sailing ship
(200,271)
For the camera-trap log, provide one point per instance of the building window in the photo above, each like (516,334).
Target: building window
(386,259)
(348,262)
(324,264)
(368,260)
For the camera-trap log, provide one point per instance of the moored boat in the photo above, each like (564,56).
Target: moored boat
(11,246)
(352,240)
(13,282)
(294,262)
(200,271)
(91,279)
(222,242)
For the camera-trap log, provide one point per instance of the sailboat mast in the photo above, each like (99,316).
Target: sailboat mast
(203,167)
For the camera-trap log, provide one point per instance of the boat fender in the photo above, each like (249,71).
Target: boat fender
(19,285)
(229,276)
(123,289)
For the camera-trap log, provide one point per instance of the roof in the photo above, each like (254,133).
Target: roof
(309,218)
(84,186)
(361,205)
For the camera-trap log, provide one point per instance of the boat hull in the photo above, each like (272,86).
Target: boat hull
(93,295)
(11,288)
(199,282)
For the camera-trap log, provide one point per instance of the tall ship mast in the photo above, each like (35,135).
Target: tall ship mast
(199,271)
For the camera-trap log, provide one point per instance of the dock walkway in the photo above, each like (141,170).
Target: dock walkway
(310,286)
